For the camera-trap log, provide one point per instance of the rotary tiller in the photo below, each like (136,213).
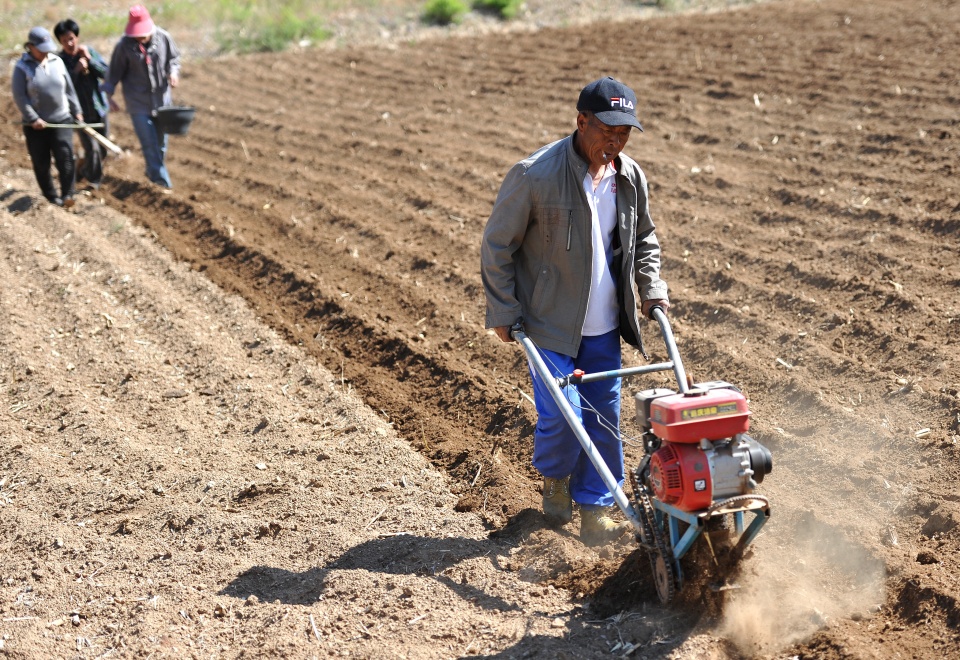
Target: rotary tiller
(699,473)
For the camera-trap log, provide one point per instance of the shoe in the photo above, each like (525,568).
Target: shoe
(56,201)
(597,527)
(557,505)
(68,202)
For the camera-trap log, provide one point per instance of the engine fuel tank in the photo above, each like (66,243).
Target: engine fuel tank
(699,414)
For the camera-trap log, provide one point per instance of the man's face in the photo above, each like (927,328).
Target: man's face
(69,42)
(599,144)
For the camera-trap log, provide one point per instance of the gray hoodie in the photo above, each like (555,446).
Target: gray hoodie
(43,90)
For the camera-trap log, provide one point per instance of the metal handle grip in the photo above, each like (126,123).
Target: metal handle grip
(658,315)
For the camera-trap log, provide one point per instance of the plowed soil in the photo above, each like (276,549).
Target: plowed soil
(260,416)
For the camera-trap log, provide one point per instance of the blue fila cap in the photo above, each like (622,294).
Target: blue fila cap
(612,102)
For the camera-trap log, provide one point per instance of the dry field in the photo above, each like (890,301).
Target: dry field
(260,416)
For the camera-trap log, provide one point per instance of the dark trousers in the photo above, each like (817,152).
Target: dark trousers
(56,142)
(93,155)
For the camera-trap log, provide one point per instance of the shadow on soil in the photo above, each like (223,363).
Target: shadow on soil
(619,600)
(410,554)
(405,554)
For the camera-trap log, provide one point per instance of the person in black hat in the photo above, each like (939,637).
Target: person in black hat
(44,93)
(570,251)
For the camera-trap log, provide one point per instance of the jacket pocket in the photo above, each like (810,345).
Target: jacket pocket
(556,229)
(543,290)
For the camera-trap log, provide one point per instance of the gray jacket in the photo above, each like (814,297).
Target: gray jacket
(537,249)
(44,92)
(145,88)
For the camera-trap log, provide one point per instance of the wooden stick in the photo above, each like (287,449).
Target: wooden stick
(527,397)
(23,123)
(102,140)
(479,467)
(377,517)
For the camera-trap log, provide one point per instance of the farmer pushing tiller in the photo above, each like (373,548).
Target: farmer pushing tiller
(569,236)
(699,471)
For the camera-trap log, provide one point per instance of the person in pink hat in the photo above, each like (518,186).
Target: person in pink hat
(146,61)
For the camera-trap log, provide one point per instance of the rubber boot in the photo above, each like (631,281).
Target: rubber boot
(597,527)
(557,505)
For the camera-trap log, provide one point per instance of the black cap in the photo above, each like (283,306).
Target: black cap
(611,102)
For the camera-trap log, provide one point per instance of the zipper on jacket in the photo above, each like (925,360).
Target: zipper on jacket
(569,229)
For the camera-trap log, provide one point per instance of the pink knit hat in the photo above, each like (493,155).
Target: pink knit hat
(140,23)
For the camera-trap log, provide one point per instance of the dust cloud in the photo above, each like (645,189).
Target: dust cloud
(790,590)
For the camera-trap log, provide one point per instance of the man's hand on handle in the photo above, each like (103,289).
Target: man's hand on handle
(503,332)
(662,303)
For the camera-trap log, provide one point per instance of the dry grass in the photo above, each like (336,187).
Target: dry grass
(205,27)
(219,26)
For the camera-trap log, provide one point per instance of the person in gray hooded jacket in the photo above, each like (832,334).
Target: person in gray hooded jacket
(45,95)
(569,238)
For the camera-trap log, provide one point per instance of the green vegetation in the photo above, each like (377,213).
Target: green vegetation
(241,26)
(505,8)
(248,27)
(97,24)
(444,12)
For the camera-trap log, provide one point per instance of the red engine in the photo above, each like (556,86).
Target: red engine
(700,451)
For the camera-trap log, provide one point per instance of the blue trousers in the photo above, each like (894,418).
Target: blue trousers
(556,450)
(153,144)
